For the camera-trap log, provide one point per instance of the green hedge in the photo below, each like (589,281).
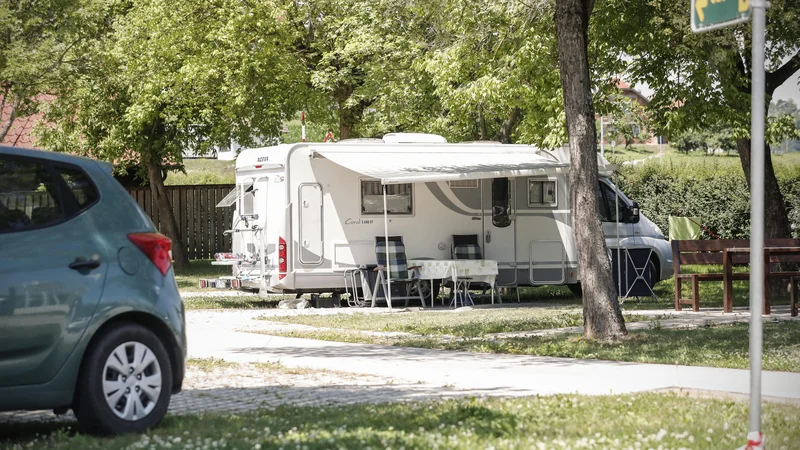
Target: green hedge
(717,193)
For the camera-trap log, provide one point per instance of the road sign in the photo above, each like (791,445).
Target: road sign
(712,14)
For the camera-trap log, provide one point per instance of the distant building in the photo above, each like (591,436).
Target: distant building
(640,99)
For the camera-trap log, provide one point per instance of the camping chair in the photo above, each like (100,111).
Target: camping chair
(398,271)
(465,246)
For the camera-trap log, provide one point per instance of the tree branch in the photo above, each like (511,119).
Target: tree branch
(779,76)
(11,118)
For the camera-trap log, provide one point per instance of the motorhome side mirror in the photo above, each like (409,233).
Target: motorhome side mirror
(632,213)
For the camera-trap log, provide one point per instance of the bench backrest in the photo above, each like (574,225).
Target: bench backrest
(710,252)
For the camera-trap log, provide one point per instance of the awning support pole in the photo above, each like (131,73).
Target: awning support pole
(388,293)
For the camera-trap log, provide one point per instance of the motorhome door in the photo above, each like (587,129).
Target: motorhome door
(498,227)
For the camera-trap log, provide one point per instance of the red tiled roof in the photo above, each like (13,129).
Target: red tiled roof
(21,132)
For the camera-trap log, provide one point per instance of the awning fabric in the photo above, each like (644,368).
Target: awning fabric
(405,163)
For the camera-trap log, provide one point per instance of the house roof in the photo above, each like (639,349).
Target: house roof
(627,89)
(21,132)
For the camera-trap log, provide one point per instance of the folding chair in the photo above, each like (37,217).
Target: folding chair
(398,271)
(465,246)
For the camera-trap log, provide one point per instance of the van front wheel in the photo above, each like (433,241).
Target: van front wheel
(576,289)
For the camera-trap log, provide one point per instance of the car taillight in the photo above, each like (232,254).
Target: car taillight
(281,258)
(156,246)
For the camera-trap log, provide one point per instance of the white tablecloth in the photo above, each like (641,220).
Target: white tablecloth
(480,270)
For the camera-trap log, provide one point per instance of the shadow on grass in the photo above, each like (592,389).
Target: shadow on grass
(465,423)
(717,346)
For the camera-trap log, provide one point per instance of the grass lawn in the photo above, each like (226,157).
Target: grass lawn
(466,323)
(717,346)
(629,421)
(189,279)
(621,153)
(238,302)
(204,171)
(674,157)
(710,293)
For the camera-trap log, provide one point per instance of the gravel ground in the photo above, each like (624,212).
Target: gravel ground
(228,387)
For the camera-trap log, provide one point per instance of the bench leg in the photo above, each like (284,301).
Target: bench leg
(727,283)
(793,288)
(695,294)
(677,294)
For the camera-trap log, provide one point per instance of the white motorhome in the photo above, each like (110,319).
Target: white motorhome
(307,212)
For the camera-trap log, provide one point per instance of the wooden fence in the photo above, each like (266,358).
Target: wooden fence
(200,222)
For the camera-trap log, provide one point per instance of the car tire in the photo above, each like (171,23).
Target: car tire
(140,398)
(576,290)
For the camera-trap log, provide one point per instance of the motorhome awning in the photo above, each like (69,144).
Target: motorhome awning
(404,163)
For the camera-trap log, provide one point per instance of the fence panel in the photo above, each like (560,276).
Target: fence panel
(200,223)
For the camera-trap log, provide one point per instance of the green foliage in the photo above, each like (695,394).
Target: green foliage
(688,141)
(698,79)
(712,138)
(169,76)
(715,192)
(37,40)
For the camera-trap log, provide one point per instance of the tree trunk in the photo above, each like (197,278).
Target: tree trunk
(482,133)
(776,218)
(168,224)
(602,317)
(346,123)
(504,135)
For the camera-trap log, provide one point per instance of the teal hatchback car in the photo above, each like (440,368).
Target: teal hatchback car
(90,314)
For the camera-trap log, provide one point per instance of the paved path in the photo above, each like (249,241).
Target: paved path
(490,374)
(309,372)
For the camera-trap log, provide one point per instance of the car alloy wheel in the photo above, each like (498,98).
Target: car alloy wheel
(132,381)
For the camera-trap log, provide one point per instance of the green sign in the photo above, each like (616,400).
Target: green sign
(711,14)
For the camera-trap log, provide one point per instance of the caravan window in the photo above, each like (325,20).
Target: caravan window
(248,201)
(501,202)
(606,203)
(541,192)
(399,198)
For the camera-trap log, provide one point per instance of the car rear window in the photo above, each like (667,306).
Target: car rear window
(29,196)
(79,184)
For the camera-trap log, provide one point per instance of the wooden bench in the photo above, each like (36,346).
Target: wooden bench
(727,252)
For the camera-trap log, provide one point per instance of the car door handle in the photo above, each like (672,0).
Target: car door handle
(83,263)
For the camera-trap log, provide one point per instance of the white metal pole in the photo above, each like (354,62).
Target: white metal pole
(757,214)
(602,139)
(388,293)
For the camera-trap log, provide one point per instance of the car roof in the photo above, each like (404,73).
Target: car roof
(54,156)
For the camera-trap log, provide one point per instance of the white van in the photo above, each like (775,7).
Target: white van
(307,212)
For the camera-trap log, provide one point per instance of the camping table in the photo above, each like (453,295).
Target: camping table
(479,270)
(771,255)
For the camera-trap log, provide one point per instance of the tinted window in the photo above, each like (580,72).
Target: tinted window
(28,196)
(501,202)
(79,184)
(606,203)
(399,198)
